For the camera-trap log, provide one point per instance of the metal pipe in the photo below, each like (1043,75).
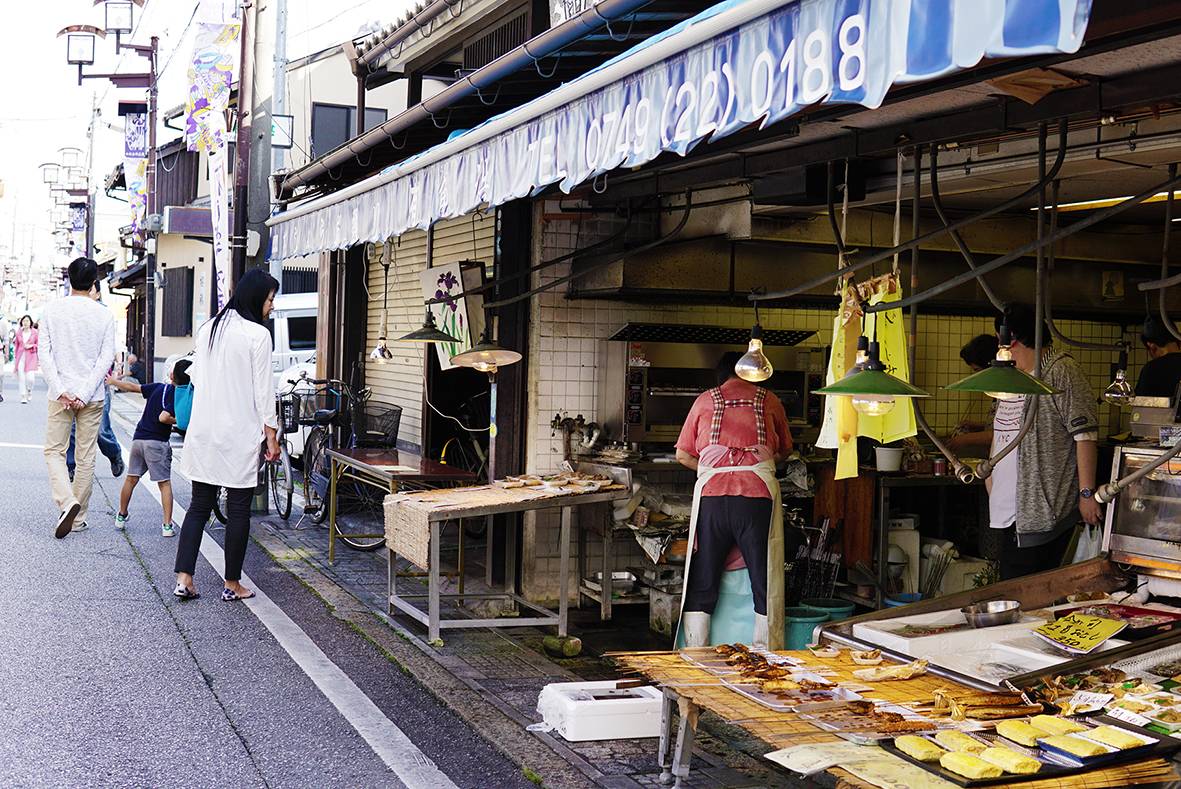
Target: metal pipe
(1164,260)
(485,78)
(1032,246)
(838,238)
(1110,490)
(1049,291)
(937,201)
(676,231)
(906,246)
(961,471)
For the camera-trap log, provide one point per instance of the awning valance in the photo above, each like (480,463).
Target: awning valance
(742,62)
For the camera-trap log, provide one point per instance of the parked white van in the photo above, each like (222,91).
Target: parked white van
(293,327)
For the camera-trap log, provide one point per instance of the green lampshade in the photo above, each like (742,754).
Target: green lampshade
(872,382)
(1002,378)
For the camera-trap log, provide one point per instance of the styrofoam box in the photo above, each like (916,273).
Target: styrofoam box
(581,711)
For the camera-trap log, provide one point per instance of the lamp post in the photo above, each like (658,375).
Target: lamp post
(118,18)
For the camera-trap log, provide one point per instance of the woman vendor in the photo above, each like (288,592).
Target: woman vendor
(733,437)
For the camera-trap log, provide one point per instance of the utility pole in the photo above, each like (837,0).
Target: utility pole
(152,208)
(278,107)
(90,201)
(242,148)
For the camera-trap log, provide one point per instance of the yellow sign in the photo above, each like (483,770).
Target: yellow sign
(1079,633)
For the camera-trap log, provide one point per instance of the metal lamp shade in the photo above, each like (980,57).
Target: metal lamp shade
(1002,378)
(487,357)
(429,332)
(872,382)
(50,173)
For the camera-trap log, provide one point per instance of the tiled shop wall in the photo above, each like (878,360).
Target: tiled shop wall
(564,369)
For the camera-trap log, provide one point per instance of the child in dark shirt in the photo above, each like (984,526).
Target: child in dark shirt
(150,451)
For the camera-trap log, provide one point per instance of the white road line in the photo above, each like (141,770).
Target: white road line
(389,742)
(6,445)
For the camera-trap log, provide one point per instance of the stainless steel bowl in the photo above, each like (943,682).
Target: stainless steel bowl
(992,613)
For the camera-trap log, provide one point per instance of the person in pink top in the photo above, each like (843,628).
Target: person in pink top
(26,357)
(733,437)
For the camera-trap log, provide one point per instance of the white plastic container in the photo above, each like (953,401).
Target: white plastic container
(581,711)
(888,458)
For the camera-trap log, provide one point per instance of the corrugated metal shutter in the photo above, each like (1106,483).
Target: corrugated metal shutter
(470,237)
(399,381)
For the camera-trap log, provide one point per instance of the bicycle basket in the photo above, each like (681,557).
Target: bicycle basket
(288,409)
(376,425)
(323,399)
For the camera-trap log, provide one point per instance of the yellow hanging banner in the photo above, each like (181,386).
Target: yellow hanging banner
(889,329)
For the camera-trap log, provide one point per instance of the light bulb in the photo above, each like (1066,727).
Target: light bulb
(873,405)
(1119,392)
(380,353)
(754,366)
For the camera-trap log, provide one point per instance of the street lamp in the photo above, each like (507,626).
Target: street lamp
(50,173)
(80,45)
(118,16)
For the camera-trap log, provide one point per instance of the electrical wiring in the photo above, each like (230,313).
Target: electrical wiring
(455,420)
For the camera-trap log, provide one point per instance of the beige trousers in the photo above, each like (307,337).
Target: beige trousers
(57,441)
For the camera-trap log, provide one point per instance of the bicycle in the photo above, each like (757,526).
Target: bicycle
(357,424)
(275,474)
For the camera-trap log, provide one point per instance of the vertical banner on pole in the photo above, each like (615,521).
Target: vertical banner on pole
(211,72)
(135,169)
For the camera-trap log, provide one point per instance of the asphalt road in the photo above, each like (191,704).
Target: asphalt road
(106,679)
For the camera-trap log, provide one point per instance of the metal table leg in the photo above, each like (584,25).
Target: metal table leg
(391,579)
(667,701)
(883,539)
(433,583)
(564,570)
(333,473)
(488,551)
(510,559)
(581,566)
(686,731)
(608,584)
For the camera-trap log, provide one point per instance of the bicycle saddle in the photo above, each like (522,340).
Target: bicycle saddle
(324,416)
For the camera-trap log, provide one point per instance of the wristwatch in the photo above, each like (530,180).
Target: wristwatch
(1086,493)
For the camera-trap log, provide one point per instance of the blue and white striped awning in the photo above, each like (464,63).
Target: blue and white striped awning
(741,62)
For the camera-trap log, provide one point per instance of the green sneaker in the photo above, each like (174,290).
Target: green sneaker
(120,522)
(168,530)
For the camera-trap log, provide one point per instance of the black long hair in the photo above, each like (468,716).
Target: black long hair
(21,323)
(247,299)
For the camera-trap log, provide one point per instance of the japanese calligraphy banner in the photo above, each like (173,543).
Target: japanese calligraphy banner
(211,72)
(761,70)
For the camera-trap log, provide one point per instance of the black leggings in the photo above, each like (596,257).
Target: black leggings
(237,528)
(723,521)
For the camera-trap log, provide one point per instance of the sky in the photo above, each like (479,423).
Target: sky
(42,108)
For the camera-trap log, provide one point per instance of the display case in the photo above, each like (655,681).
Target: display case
(1143,525)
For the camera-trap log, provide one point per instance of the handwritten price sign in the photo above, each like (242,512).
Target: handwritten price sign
(1078,633)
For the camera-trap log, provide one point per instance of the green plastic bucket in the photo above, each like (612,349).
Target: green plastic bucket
(833,607)
(799,622)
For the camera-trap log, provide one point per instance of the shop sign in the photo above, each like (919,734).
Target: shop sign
(758,73)
(1078,633)
(564,10)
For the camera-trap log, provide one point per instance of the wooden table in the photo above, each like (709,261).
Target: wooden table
(689,690)
(385,469)
(443,511)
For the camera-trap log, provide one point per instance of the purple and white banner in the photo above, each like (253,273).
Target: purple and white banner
(135,168)
(761,70)
(211,72)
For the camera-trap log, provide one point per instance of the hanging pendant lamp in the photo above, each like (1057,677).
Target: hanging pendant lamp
(1119,392)
(754,366)
(428,332)
(1002,379)
(873,390)
(488,355)
(381,352)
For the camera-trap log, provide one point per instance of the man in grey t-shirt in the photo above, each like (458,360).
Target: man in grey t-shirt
(1054,482)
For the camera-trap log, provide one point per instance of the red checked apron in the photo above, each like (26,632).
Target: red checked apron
(717,458)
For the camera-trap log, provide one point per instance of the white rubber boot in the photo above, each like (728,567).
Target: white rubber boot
(695,626)
(761,631)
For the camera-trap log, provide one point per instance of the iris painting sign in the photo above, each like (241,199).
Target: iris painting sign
(759,71)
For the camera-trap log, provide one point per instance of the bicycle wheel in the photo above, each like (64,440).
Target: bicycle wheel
(359,511)
(279,473)
(220,508)
(315,505)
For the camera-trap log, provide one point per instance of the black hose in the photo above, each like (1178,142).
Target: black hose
(937,201)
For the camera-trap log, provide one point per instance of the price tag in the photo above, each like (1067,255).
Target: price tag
(1088,701)
(1079,633)
(1127,716)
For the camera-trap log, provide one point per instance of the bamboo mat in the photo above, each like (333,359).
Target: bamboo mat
(784,729)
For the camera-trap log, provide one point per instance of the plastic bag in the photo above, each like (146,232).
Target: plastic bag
(1090,543)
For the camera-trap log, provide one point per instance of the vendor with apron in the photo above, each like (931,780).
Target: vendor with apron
(733,437)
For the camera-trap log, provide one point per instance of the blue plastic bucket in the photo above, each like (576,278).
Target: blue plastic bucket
(905,598)
(834,607)
(799,622)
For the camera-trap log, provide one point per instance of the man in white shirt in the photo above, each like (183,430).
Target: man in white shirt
(77,348)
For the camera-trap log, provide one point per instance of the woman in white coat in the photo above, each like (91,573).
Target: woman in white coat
(233,412)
